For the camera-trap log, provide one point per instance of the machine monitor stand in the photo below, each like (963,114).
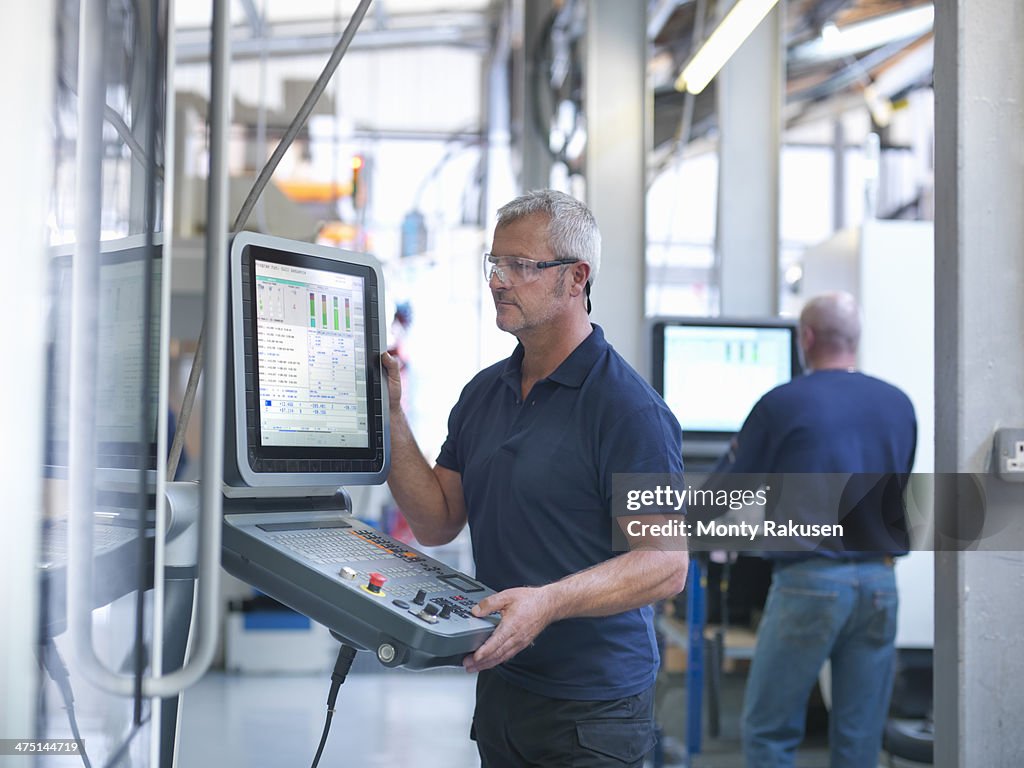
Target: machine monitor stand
(308,415)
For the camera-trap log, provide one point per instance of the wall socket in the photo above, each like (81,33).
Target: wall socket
(1009,449)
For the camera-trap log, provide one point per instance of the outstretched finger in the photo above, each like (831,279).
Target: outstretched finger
(489,605)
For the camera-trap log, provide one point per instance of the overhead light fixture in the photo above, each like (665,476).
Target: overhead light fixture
(728,36)
(854,39)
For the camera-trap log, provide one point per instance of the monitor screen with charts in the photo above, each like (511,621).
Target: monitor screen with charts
(122,379)
(305,386)
(711,372)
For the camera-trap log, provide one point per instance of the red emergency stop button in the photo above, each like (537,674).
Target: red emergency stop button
(376,582)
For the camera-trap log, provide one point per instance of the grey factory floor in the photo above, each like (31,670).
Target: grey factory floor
(412,720)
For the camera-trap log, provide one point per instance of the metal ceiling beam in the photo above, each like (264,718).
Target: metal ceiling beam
(253,17)
(811,22)
(194,48)
(856,71)
(659,14)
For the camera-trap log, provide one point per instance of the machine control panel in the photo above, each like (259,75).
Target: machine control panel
(368,588)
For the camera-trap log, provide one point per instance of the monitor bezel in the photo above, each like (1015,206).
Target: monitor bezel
(660,324)
(253,465)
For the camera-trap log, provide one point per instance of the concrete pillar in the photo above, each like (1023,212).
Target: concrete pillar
(535,172)
(838,175)
(750,92)
(499,186)
(27,53)
(617,109)
(979,371)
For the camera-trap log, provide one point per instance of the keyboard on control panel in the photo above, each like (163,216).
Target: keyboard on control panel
(330,546)
(353,547)
(105,538)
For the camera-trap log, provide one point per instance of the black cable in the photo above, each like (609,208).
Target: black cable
(341,668)
(154,73)
(185,413)
(57,670)
(115,758)
(300,117)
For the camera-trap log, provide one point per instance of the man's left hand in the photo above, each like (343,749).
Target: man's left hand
(525,612)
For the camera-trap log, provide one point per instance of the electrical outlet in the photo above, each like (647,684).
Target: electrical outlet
(1009,449)
(1016,464)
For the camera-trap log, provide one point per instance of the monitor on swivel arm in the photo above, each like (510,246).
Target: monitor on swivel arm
(307,415)
(305,402)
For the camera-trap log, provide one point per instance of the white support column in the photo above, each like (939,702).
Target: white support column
(617,108)
(535,171)
(499,186)
(979,375)
(27,54)
(750,92)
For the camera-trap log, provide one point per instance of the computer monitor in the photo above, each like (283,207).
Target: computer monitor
(121,384)
(305,405)
(711,372)
(125,455)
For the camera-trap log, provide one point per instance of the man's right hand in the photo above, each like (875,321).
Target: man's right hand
(393,370)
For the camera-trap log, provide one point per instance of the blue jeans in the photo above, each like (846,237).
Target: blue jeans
(821,609)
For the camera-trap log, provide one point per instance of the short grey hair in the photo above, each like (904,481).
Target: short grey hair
(572,228)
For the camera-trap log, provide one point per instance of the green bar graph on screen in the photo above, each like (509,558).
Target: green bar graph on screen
(336,327)
(312,311)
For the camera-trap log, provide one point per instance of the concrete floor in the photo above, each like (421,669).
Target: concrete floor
(396,718)
(383,718)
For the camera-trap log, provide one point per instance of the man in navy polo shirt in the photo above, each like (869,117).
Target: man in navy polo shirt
(834,598)
(567,677)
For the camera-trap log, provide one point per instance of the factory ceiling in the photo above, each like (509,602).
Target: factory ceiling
(839,53)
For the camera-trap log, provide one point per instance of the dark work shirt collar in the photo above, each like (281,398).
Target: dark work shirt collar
(573,370)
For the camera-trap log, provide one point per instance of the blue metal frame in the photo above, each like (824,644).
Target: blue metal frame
(695,620)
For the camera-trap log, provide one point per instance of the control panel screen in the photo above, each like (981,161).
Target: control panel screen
(461,583)
(304,391)
(310,357)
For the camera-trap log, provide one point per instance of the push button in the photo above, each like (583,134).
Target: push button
(375,584)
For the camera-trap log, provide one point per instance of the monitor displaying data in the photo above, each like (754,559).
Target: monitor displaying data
(307,384)
(310,357)
(711,373)
(127,361)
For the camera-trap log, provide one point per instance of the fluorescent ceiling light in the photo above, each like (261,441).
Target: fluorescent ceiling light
(728,36)
(863,36)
